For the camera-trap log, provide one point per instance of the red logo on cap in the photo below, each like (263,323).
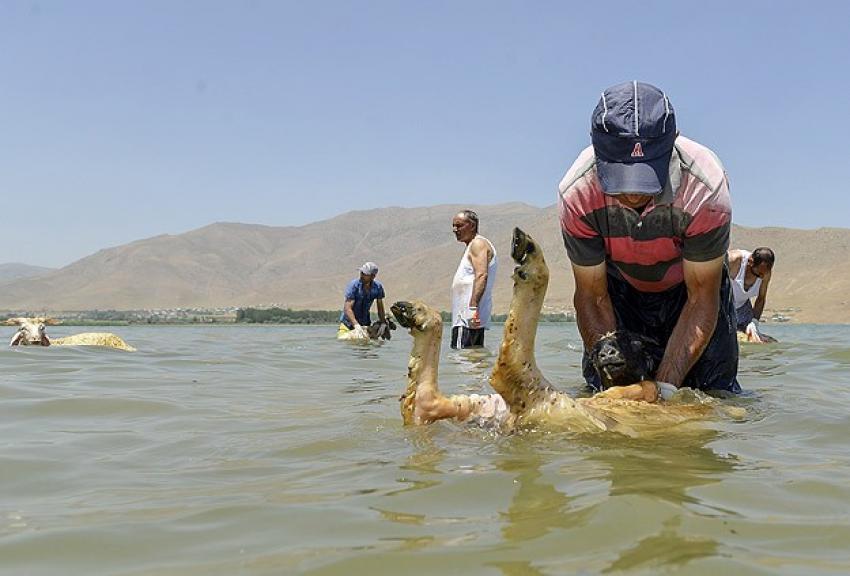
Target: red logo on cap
(638,151)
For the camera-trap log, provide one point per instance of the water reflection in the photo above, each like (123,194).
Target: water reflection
(644,472)
(424,460)
(666,468)
(536,509)
(472,356)
(474,366)
(537,506)
(666,549)
(362,350)
(599,509)
(517,568)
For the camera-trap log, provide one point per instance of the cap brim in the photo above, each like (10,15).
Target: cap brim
(635,178)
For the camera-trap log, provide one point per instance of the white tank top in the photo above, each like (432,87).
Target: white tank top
(462,289)
(738,293)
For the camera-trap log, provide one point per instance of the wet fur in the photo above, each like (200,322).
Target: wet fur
(32,332)
(532,400)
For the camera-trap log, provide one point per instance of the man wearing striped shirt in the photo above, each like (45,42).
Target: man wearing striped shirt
(645,216)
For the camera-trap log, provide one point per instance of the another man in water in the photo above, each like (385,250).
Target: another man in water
(359,295)
(472,287)
(645,215)
(750,272)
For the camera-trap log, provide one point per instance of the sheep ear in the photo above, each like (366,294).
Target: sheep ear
(14,321)
(52,321)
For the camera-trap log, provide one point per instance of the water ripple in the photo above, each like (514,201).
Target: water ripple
(275,449)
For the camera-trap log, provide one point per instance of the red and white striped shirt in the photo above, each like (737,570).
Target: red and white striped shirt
(690,219)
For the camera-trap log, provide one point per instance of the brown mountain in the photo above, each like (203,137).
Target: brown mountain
(308,266)
(16,270)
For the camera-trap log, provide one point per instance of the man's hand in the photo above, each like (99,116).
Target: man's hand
(644,391)
(382,329)
(474,321)
(752,331)
(360,332)
(696,322)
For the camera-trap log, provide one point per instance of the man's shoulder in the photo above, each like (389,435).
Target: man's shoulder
(734,254)
(584,166)
(352,289)
(481,243)
(701,162)
(734,257)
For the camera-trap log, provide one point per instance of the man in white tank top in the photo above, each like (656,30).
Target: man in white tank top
(750,273)
(472,287)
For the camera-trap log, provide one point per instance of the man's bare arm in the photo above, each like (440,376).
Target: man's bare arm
(381,314)
(696,322)
(479,256)
(594,311)
(735,260)
(595,317)
(758,308)
(349,313)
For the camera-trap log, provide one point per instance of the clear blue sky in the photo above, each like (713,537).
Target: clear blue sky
(125,120)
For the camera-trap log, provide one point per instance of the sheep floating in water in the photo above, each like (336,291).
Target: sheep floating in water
(33,332)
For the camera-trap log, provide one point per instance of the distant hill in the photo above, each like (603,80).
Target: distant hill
(228,264)
(15,271)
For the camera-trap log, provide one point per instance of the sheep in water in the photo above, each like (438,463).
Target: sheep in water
(523,397)
(32,332)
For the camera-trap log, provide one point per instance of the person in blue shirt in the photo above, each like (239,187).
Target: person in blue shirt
(359,295)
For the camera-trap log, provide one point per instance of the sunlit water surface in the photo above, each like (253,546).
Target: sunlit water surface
(278,450)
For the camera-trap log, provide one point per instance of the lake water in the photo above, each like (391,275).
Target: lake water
(278,450)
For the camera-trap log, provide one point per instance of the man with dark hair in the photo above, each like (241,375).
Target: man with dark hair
(645,215)
(472,287)
(750,273)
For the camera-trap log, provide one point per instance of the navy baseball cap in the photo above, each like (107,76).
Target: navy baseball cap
(633,129)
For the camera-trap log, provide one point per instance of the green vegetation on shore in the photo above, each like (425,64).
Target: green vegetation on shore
(272,315)
(126,317)
(286,316)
